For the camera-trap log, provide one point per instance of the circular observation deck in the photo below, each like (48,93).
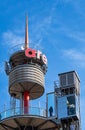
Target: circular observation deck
(26,74)
(17,57)
(15,119)
(26,77)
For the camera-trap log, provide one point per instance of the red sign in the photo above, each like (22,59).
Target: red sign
(35,54)
(30,53)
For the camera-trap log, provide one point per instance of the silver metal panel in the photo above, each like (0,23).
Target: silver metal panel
(26,78)
(69,79)
(63,80)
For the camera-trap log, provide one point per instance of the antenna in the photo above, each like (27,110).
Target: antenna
(26,34)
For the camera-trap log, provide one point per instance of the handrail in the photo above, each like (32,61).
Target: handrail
(19,47)
(34,111)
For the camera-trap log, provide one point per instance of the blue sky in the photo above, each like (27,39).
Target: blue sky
(57,27)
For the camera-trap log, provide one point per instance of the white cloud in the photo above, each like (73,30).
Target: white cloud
(12,39)
(79,36)
(43,25)
(77,57)
(72,33)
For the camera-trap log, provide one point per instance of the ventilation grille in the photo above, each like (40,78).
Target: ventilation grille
(66,79)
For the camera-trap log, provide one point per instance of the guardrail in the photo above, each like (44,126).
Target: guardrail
(19,47)
(32,111)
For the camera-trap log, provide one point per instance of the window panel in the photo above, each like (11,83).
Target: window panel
(71,108)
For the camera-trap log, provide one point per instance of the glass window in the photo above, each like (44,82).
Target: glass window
(62,107)
(71,108)
(77,106)
(51,104)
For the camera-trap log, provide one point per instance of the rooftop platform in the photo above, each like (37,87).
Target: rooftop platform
(16,119)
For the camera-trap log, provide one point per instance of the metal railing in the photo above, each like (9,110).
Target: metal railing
(56,84)
(32,111)
(16,48)
(21,47)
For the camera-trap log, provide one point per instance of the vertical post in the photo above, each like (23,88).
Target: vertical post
(26,34)
(26,102)
(13,104)
(21,103)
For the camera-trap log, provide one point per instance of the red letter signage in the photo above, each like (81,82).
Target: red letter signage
(44,59)
(30,53)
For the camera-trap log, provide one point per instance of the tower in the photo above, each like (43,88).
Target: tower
(26,69)
(64,102)
(68,100)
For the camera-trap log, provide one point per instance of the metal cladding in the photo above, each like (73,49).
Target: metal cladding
(26,77)
(26,73)
(26,69)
